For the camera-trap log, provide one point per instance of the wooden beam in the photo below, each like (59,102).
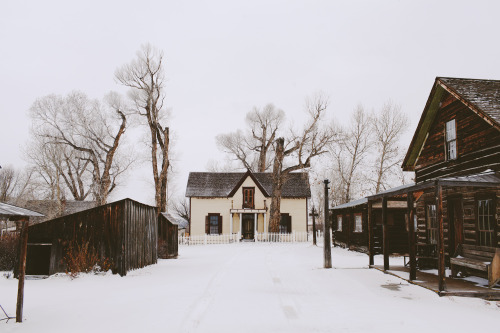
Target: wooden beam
(411,237)
(441,268)
(385,240)
(23,241)
(314,214)
(327,248)
(370,233)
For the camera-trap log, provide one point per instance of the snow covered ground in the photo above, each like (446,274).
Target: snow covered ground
(244,288)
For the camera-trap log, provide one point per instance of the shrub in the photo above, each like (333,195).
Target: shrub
(82,258)
(8,251)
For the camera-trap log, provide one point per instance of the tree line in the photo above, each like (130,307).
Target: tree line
(77,148)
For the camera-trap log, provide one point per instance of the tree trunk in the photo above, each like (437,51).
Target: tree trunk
(275,210)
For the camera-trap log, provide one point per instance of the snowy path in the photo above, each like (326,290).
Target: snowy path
(244,288)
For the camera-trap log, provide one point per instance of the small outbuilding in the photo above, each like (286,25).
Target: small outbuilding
(124,232)
(168,236)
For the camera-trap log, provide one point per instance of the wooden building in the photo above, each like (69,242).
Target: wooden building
(236,203)
(350,226)
(125,232)
(455,202)
(168,236)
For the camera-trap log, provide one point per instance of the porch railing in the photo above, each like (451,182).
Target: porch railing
(294,237)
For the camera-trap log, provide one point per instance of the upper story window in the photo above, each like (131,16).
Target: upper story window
(451,140)
(249,197)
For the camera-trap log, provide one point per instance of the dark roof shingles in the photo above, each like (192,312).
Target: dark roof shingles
(483,94)
(214,184)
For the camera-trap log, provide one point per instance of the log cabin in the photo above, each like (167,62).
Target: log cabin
(238,203)
(455,154)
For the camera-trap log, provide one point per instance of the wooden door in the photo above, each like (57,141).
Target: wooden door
(248,226)
(455,224)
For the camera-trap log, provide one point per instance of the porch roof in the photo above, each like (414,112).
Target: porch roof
(7,211)
(484,179)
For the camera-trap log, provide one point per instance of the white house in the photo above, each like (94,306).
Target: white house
(238,203)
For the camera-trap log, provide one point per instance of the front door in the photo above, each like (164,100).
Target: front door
(455,224)
(248,226)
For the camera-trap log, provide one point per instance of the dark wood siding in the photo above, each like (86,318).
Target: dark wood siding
(124,231)
(478,144)
(168,238)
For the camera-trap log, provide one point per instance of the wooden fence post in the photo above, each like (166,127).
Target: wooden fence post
(327,248)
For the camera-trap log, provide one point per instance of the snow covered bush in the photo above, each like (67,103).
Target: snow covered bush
(8,251)
(82,258)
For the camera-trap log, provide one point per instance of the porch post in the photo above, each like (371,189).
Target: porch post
(241,224)
(385,230)
(411,237)
(230,223)
(265,224)
(370,233)
(441,268)
(255,226)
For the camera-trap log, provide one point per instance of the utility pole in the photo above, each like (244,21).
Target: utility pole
(314,214)
(327,248)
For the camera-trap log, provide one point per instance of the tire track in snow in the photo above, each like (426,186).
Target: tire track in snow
(198,309)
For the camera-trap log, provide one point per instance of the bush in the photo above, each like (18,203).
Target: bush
(82,258)
(8,251)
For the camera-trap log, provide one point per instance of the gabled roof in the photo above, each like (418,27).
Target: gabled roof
(225,184)
(7,210)
(481,96)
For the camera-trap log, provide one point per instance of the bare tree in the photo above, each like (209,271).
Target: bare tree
(14,184)
(298,152)
(181,208)
(252,148)
(145,78)
(388,126)
(89,127)
(350,152)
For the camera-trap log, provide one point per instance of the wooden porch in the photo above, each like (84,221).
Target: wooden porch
(454,287)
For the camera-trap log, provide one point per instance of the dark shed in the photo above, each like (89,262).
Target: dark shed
(168,236)
(125,232)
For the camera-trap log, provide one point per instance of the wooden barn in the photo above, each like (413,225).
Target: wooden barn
(350,226)
(455,154)
(124,232)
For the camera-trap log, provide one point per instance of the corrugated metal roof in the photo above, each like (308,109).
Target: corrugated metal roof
(220,184)
(10,211)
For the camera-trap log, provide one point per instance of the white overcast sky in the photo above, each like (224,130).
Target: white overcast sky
(224,57)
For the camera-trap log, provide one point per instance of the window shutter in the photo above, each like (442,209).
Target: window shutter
(220,225)
(289,226)
(207,224)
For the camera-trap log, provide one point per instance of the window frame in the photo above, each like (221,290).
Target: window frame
(250,193)
(339,223)
(451,142)
(492,215)
(431,223)
(355,224)
(208,220)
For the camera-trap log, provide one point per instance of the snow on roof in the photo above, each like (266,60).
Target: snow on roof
(11,210)
(221,184)
(183,224)
(351,204)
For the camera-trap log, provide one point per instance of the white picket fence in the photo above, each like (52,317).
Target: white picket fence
(294,237)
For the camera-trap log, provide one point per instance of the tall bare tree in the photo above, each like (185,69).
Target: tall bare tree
(92,128)
(14,184)
(388,126)
(350,151)
(297,151)
(252,147)
(145,78)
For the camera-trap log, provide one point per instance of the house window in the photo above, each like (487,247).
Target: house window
(486,222)
(339,223)
(432,228)
(358,223)
(213,224)
(285,224)
(248,197)
(451,140)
